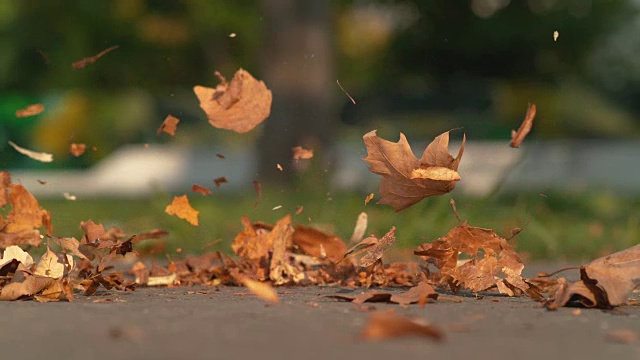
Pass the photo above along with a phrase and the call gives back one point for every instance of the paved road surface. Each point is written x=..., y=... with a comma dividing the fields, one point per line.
x=182, y=323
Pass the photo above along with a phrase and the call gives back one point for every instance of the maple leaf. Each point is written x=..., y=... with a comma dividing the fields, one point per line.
x=491, y=257
x=240, y=105
x=181, y=208
x=169, y=125
x=517, y=137
x=77, y=149
x=30, y=110
x=300, y=153
x=406, y=179
x=40, y=156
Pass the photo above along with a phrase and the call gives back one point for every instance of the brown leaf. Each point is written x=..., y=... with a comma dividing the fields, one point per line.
x=300, y=153
x=406, y=179
x=420, y=293
x=518, y=136
x=46, y=287
x=258, y=187
x=71, y=245
x=616, y=274
x=239, y=105
x=279, y=271
x=219, y=181
x=30, y=110
x=386, y=325
x=181, y=208
x=368, y=198
x=26, y=237
x=25, y=213
x=90, y=60
x=261, y=289
x=54, y=265
x=201, y=189
x=77, y=149
x=40, y=156
x=313, y=242
x=169, y=125
x=491, y=255
x=373, y=248
x=5, y=181
x=254, y=242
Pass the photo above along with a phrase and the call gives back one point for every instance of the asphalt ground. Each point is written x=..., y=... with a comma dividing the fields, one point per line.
x=231, y=323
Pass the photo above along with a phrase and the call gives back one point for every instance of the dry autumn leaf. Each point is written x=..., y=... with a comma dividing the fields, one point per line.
x=261, y=289
x=219, y=181
x=385, y=325
x=30, y=110
x=318, y=244
x=54, y=265
x=418, y=294
x=201, y=189
x=518, y=136
x=181, y=208
x=90, y=60
x=359, y=229
x=373, y=248
x=368, y=198
x=169, y=125
x=5, y=181
x=77, y=149
x=300, y=153
x=40, y=156
x=15, y=253
x=406, y=179
x=239, y=105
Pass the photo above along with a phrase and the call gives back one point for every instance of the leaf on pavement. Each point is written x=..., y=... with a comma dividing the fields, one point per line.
x=169, y=125
x=300, y=153
x=517, y=137
x=605, y=282
x=240, y=105
x=181, y=208
x=77, y=149
x=280, y=272
x=14, y=253
x=384, y=325
x=44, y=288
x=406, y=179
x=373, y=248
x=493, y=263
x=54, y=265
x=40, y=156
x=30, y=110
x=418, y=294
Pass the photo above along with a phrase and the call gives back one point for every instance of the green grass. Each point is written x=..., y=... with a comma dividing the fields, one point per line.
x=579, y=227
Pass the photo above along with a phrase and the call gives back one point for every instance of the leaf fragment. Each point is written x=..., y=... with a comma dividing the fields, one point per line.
x=384, y=325
x=77, y=149
x=169, y=125
x=181, y=208
x=30, y=110
x=40, y=156
x=300, y=153
x=517, y=137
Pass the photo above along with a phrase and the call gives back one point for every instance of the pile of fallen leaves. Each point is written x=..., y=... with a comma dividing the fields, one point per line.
x=466, y=259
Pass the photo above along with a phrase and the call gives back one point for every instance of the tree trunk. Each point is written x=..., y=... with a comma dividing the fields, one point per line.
x=297, y=65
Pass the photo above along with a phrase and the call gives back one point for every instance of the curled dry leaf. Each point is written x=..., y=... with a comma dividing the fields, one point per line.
x=385, y=325
x=368, y=198
x=517, y=137
x=77, y=149
x=300, y=153
x=15, y=253
x=372, y=248
x=30, y=110
x=40, y=156
x=169, y=125
x=181, y=208
x=406, y=179
x=54, y=265
x=239, y=105
x=418, y=294
x=279, y=270
x=359, y=229
x=605, y=282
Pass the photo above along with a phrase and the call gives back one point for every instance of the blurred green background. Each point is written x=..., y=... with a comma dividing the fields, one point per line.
x=421, y=67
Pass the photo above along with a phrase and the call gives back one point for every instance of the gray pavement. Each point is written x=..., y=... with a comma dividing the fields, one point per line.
x=205, y=323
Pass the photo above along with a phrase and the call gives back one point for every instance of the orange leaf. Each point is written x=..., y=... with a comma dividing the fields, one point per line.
x=518, y=136
x=300, y=153
x=263, y=290
x=388, y=325
x=30, y=110
x=406, y=179
x=169, y=125
x=181, y=208
x=77, y=149
x=240, y=105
